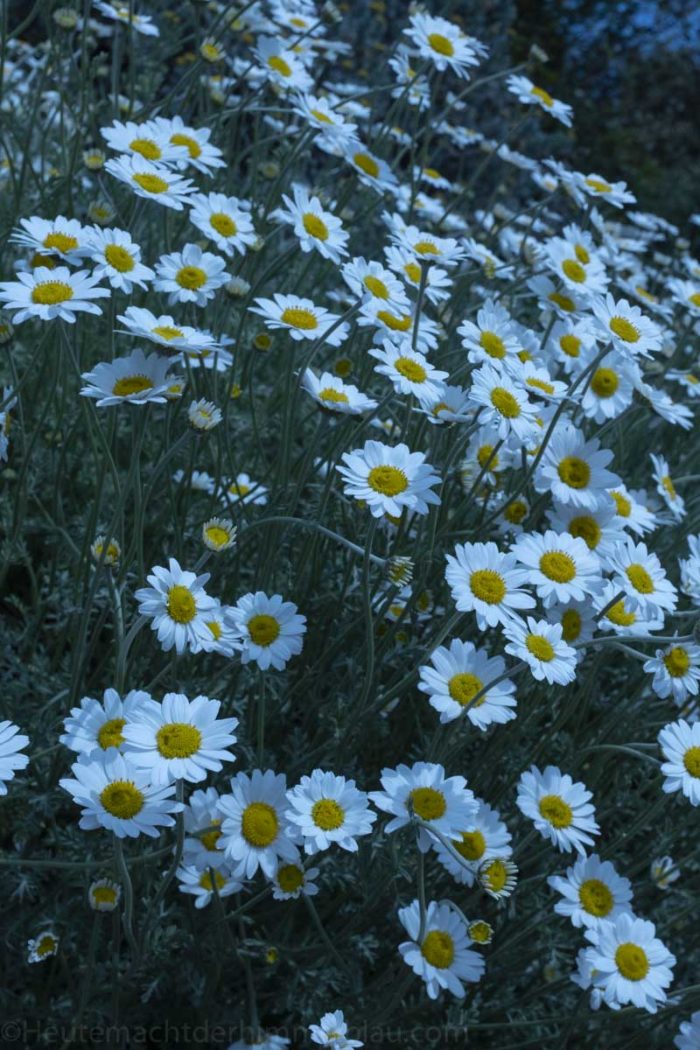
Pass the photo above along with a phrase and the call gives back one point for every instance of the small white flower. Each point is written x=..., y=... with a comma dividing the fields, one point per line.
x=325, y=808
x=442, y=956
x=272, y=629
x=559, y=808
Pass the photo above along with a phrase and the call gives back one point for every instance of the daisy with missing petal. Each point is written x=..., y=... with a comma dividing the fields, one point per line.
x=117, y=795
x=176, y=604
x=559, y=808
x=165, y=332
x=530, y=95
x=439, y=953
x=422, y=790
x=389, y=478
x=629, y=964
x=254, y=827
x=488, y=837
x=488, y=583
x=98, y=725
x=11, y=759
x=492, y=338
x=205, y=885
x=202, y=848
x=591, y=891
x=292, y=880
x=316, y=228
x=301, y=318
x=179, y=739
x=66, y=238
x=242, y=489
x=326, y=809
x=136, y=379
x=410, y=372
x=333, y=1032
x=573, y=470
x=676, y=671
x=49, y=293
x=444, y=44
x=458, y=675
x=330, y=392
x=562, y=568
x=271, y=629
x=505, y=406
x=152, y=181
x=190, y=276
x=540, y=644
x=118, y=259
x=640, y=575
x=224, y=220
x=680, y=744
x=665, y=487
x=371, y=280
x=631, y=333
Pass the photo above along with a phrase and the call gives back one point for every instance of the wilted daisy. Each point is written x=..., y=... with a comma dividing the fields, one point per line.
x=487, y=582
x=136, y=379
x=629, y=964
x=487, y=837
x=410, y=372
x=676, y=671
x=591, y=890
x=254, y=827
x=438, y=950
x=205, y=885
x=541, y=645
x=680, y=743
x=574, y=470
x=115, y=794
x=179, y=739
x=11, y=759
x=224, y=220
x=271, y=629
x=458, y=674
x=559, y=808
x=665, y=487
x=444, y=44
x=176, y=604
x=165, y=331
x=389, y=478
x=50, y=293
x=561, y=567
x=292, y=880
x=333, y=1031
x=301, y=318
x=331, y=393
x=316, y=228
x=641, y=577
x=326, y=809
x=531, y=95
x=422, y=790
x=99, y=724
x=104, y=895
x=190, y=276
x=42, y=947
x=152, y=181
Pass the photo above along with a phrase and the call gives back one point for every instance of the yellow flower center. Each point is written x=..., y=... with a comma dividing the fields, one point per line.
x=217, y=535
x=387, y=480
x=574, y=472
x=104, y=895
x=463, y=688
x=365, y=163
x=562, y=301
x=488, y=586
x=640, y=578
x=495, y=875
x=210, y=839
x=438, y=949
x=259, y=824
x=378, y=289
x=263, y=629
x=180, y=604
x=471, y=846
x=48, y=293
x=555, y=810
x=290, y=878
x=193, y=146
x=515, y=511
x=122, y=799
x=279, y=65
x=150, y=183
x=298, y=317
x=327, y=814
x=558, y=566
x=485, y=457
x=571, y=345
x=410, y=369
x=480, y=931
x=322, y=117
x=598, y=185
x=540, y=384
x=413, y=272
x=167, y=332
x=46, y=946
x=131, y=385
x=543, y=96
x=504, y=402
x=191, y=277
x=587, y=528
x=540, y=647
x=223, y=224
x=571, y=625
x=574, y=271
x=624, y=329
x=426, y=248
x=178, y=740
x=605, y=382
x=329, y=394
x=315, y=226
x=147, y=148
x=677, y=661
x=595, y=898
x=582, y=254
x=632, y=962
x=622, y=504
x=668, y=486
x=205, y=881
x=119, y=258
x=493, y=345
x=110, y=733
x=396, y=324
x=441, y=44
x=428, y=803
x=61, y=242
x=619, y=615
x=215, y=628
x=691, y=761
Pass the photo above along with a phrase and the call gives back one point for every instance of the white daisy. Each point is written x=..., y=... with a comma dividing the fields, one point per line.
x=224, y=220
x=117, y=795
x=444, y=44
x=610, y=389
x=629, y=964
x=676, y=671
x=333, y=1032
x=561, y=567
x=104, y=895
x=66, y=238
x=292, y=880
x=593, y=185
x=146, y=141
x=531, y=95
x=623, y=616
x=271, y=629
x=282, y=67
x=559, y=808
x=331, y=393
x=591, y=891
x=630, y=332
x=574, y=470
x=372, y=170
x=504, y=405
x=370, y=280
x=254, y=827
x=410, y=372
x=98, y=725
x=422, y=790
x=176, y=604
x=688, y=1037
x=325, y=808
x=641, y=577
x=631, y=510
x=136, y=379
x=242, y=489
x=205, y=885
x=389, y=478
x=49, y=293
x=124, y=13
x=599, y=528
x=301, y=318
x=190, y=276
x=11, y=744
x=165, y=331
x=488, y=837
x=487, y=582
x=663, y=872
x=438, y=950
x=492, y=338
x=680, y=743
x=316, y=228
x=540, y=644
x=436, y=282
x=152, y=181
x=458, y=675
x=202, y=847
x=118, y=259
x=199, y=152
x=665, y=487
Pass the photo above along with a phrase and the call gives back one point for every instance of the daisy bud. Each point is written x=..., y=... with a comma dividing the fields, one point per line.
x=108, y=556
x=498, y=877
x=211, y=52
x=65, y=17
x=204, y=415
x=400, y=570
x=237, y=288
x=269, y=169
x=218, y=534
x=101, y=213
x=94, y=159
x=480, y=931
x=663, y=872
x=104, y=895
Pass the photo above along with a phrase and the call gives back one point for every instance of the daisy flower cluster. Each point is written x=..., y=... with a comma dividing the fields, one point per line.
x=350, y=539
